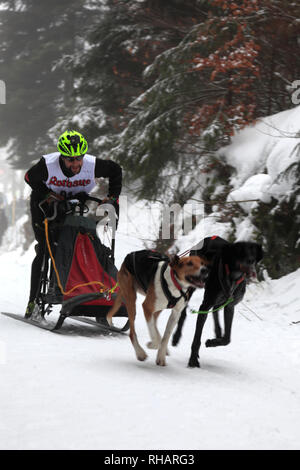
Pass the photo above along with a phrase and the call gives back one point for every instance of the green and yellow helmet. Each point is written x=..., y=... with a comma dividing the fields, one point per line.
x=72, y=144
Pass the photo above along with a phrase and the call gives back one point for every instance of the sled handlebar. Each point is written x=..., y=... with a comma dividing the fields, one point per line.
x=81, y=198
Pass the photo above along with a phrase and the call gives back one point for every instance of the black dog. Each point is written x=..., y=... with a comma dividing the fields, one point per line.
x=233, y=264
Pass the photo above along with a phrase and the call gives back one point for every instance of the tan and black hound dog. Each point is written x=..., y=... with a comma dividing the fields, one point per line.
x=166, y=284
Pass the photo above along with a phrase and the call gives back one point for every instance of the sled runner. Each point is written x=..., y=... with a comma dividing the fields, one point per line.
x=81, y=321
x=78, y=269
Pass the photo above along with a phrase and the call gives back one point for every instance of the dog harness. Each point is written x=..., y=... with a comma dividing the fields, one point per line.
x=143, y=265
x=172, y=301
x=230, y=287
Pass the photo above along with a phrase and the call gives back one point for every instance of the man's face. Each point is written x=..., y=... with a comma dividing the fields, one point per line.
x=73, y=164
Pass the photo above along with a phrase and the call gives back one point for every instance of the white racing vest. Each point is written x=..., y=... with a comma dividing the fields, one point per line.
x=58, y=182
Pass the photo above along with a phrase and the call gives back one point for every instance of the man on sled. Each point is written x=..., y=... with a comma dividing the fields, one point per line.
x=69, y=171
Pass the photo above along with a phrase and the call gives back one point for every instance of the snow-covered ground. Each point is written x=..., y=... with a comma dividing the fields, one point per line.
x=81, y=390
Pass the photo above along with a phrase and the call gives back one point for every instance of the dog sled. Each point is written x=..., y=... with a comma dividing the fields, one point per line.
x=78, y=269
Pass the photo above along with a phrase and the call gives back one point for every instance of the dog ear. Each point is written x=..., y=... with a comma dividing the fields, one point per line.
x=259, y=253
x=174, y=260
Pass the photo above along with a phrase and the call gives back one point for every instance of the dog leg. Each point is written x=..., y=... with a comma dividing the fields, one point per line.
x=223, y=340
x=153, y=331
x=228, y=317
x=161, y=354
x=128, y=292
x=178, y=332
x=150, y=317
x=113, y=310
x=139, y=351
x=193, y=361
x=218, y=330
x=156, y=315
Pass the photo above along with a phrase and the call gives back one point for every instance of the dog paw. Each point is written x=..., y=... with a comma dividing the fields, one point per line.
x=141, y=356
x=193, y=362
x=212, y=343
x=161, y=359
x=161, y=362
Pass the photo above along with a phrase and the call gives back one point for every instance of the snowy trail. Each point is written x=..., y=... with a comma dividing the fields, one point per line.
x=81, y=390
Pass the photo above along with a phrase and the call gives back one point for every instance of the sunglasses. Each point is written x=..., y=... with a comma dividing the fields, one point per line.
x=71, y=159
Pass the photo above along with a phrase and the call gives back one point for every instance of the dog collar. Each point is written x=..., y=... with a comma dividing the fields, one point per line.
x=175, y=282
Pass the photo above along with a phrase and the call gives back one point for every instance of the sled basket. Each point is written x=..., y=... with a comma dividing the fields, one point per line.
x=84, y=266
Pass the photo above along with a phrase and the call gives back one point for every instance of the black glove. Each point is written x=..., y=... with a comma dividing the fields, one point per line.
x=52, y=197
x=82, y=197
